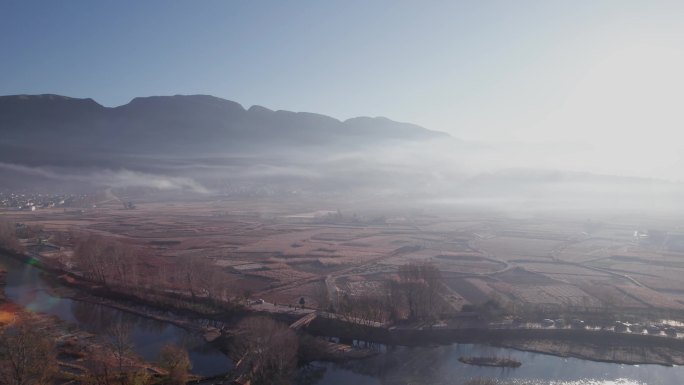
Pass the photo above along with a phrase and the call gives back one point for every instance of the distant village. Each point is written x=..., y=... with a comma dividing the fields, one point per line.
x=34, y=201
x=659, y=240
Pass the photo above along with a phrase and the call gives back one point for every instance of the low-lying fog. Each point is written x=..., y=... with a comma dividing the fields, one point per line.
x=441, y=170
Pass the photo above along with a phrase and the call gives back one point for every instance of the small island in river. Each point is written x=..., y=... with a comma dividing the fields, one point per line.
x=491, y=361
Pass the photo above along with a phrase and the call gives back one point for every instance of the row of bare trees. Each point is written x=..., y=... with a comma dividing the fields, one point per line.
x=198, y=277
x=106, y=260
x=116, y=264
x=364, y=310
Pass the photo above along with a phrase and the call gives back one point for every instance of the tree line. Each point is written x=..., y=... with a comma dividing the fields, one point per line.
x=124, y=267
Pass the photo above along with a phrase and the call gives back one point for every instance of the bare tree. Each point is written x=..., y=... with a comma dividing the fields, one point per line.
x=364, y=310
x=266, y=350
x=322, y=297
x=106, y=260
x=196, y=276
x=101, y=371
x=176, y=361
x=123, y=260
x=417, y=288
x=90, y=254
x=8, y=236
x=119, y=339
x=27, y=356
x=98, y=369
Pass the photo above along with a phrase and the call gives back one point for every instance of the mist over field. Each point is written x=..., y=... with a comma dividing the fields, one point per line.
x=206, y=146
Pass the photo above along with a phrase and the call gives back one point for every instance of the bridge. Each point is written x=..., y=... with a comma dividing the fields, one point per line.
x=304, y=321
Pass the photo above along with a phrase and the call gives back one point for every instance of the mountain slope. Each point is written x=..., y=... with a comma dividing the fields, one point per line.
x=58, y=127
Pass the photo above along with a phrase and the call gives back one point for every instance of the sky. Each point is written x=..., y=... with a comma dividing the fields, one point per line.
x=602, y=74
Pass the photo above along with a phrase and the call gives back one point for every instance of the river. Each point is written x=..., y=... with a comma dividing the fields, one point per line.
x=434, y=365
x=26, y=287
x=439, y=365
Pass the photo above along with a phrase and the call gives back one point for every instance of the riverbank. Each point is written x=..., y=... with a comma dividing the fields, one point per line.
x=628, y=355
x=599, y=346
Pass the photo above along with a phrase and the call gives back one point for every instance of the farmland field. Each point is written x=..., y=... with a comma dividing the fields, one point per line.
x=283, y=252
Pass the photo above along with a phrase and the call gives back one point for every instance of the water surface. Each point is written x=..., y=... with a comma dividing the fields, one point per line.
x=26, y=287
x=439, y=365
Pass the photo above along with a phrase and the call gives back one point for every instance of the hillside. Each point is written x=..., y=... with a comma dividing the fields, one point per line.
x=65, y=130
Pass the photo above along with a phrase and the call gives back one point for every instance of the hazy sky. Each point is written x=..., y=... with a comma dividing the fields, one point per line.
x=606, y=73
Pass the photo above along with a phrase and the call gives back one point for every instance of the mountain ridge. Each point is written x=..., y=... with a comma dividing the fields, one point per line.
x=57, y=129
x=57, y=100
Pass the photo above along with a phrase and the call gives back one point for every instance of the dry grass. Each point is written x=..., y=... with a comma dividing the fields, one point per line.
x=471, y=250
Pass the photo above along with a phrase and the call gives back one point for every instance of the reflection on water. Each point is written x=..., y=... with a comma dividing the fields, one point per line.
x=439, y=365
x=619, y=381
x=26, y=287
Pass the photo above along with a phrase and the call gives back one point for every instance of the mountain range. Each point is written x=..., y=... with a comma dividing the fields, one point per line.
x=54, y=129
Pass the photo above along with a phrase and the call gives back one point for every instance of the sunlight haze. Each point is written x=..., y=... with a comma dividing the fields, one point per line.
x=366, y=192
x=604, y=74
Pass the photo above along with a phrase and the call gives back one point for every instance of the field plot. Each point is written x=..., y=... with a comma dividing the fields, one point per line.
x=672, y=282
x=656, y=271
x=561, y=271
x=461, y=263
x=646, y=262
x=276, y=272
x=652, y=298
x=552, y=295
x=613, y=297
x=314, y=294
x=589, y=249
x=442, y=225
x=474, y=291
x=355, y=286
x=467, y=263
x=521, y=276
x=510, y=248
